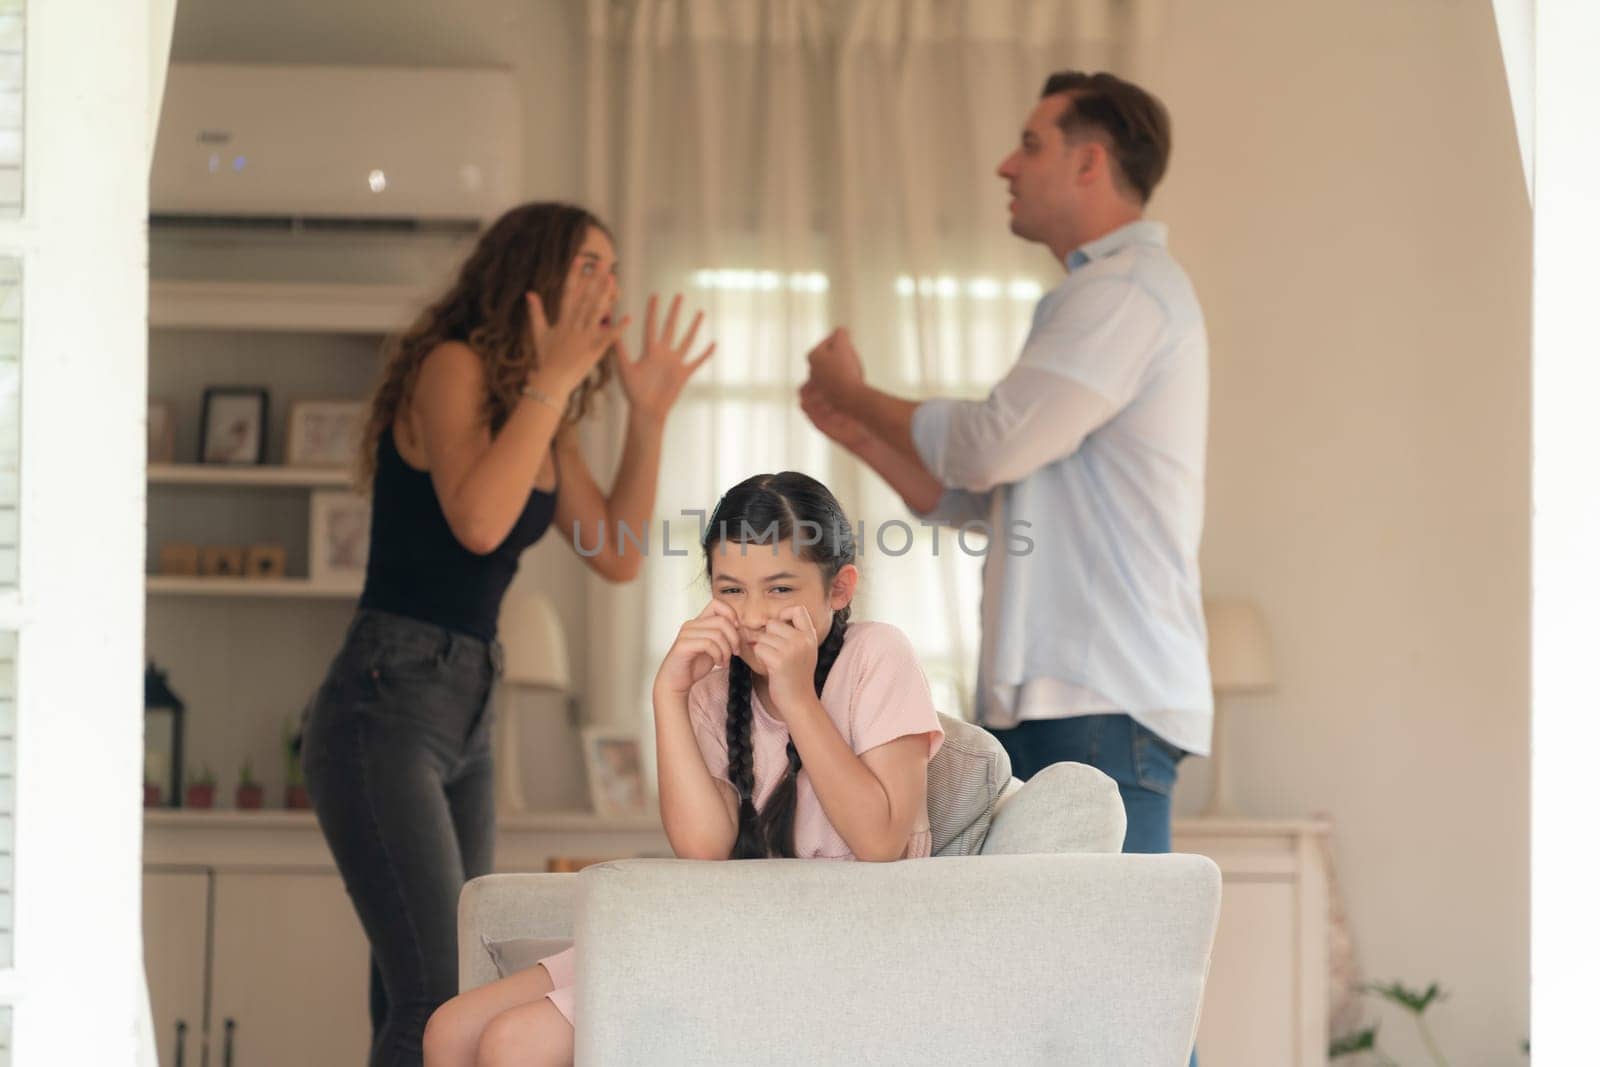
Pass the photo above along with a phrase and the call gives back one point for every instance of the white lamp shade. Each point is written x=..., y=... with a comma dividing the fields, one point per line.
x=1240, y=654
x=535, y=642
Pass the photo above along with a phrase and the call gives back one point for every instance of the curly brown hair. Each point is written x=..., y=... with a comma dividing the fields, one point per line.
x=528, y=249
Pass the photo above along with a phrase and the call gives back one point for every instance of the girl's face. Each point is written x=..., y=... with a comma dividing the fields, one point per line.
x=595, y=256
x=760, y=582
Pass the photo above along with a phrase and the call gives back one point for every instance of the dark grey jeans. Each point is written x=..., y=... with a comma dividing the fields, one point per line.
x=397, y=761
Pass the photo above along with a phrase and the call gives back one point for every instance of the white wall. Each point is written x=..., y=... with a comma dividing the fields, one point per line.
x=1347, y=194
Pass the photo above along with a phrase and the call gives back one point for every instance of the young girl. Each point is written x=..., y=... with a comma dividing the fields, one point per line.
x=782, y=729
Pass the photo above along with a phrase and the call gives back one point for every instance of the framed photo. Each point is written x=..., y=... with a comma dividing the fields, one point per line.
x=340, y=522
x=325, y=433
x=614, y=761
x=233, y=425
x=161, y=430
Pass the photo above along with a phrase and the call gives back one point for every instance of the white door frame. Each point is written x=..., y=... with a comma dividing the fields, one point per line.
x=77, y=989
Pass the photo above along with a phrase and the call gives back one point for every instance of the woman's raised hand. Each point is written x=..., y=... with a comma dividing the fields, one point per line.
x=655, y=379
x=569, y=348
x=707, y=641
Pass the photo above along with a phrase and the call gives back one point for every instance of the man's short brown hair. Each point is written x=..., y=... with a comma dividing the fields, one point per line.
x=1135, y=122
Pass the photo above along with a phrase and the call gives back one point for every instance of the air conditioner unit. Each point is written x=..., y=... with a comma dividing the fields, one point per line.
x=362, y=146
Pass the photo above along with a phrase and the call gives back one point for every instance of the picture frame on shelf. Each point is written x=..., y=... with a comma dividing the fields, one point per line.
x=325, y=433
x=613, y=761
x=233, y=425
x=340, y=523
x=161, y=433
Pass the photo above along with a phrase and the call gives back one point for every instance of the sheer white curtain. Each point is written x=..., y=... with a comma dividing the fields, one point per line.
x=792, y=165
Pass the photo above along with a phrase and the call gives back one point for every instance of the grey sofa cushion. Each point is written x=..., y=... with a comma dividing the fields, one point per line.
x=1067, y=807
x=519, y=953
x=965, y=778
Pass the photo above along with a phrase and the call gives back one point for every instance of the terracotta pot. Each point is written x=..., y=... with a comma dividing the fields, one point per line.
x=152, y=795
x=296, y=798
x=200, y=796
x=249, y=797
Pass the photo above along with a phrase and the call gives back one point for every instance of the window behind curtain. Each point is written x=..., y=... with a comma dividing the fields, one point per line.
x=746, y=420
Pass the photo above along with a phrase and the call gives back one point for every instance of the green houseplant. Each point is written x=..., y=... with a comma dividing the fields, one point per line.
x=1414, y=1003
x=201, y=791
x=249, y=795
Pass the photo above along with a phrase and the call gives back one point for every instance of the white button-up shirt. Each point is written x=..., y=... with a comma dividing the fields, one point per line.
x=1087, y=463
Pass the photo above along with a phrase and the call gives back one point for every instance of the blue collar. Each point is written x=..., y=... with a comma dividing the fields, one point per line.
x=1139, y=232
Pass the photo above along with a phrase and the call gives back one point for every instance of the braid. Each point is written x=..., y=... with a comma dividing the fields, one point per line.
x=741, y=762
x=828, y=651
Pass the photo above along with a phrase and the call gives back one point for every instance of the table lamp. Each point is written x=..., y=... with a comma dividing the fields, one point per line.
x=1241, y=662
x=536, y=658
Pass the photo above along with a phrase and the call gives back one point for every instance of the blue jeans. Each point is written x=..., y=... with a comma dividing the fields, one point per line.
x=1143, y=765
x=397, y=761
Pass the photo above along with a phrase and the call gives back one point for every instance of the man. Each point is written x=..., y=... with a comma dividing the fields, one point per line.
x=1092, y=447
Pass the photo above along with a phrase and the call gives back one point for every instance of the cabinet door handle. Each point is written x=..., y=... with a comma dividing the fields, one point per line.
x=177, y=1046
x=228, y=1026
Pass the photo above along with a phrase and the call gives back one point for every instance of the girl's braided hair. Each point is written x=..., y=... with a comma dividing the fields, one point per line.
x=768, y=509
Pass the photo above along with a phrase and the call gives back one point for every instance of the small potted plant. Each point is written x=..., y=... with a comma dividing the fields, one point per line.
x=249, y=795
x=295, y=796
x=201, y=792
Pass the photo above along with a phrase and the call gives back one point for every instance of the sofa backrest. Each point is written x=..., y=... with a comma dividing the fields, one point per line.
x=976, y=960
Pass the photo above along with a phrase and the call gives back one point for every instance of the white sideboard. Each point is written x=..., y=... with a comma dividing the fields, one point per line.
x=252, y=946
x=1266, y=1001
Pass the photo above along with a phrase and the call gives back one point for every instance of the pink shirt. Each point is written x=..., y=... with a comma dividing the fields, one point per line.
x=875, y=693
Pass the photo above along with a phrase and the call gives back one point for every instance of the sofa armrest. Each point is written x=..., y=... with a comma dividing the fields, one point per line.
x=520, y=917
x=1067, y=807
x=1092, y=959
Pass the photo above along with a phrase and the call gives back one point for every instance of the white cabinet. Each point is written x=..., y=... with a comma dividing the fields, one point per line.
x=1266, y=1002
x=252, y=942
x=254, y=968
x=290, y=972
x=176, y=925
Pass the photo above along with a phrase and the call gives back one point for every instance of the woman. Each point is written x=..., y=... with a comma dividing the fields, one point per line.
x=472, y=453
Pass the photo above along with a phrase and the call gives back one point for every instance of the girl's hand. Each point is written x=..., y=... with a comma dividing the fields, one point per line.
x=655, y=379
x=707, y=641
x=788, y=650
x=569, y=349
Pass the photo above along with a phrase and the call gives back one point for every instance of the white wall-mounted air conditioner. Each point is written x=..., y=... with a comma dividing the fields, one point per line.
x=337, y=144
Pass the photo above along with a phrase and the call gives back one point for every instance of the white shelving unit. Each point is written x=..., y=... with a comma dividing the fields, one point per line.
x=261, y=477
x=246, y=653
x=183, y=585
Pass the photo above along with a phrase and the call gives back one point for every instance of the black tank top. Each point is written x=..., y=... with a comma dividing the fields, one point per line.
x=415, y=565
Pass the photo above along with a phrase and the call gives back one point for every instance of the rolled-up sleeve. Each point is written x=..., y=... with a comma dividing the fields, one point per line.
x=1031, y=418
x=1082, y=364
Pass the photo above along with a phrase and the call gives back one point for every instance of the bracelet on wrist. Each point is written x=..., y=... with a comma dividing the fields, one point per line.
x=530, y=390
